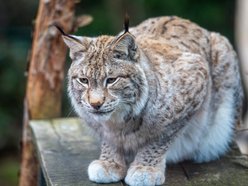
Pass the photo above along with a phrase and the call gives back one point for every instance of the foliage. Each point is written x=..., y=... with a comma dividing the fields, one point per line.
x=8, y=172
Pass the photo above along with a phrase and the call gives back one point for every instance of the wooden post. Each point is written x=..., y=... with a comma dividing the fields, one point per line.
x=45, y=76
x=242, y=44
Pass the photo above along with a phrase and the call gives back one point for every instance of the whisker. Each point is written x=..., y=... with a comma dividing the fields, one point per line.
x=71, y=110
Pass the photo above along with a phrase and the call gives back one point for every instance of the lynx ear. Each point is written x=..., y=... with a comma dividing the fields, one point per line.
x=75, y=44
x=77, y=47
x=124, y=46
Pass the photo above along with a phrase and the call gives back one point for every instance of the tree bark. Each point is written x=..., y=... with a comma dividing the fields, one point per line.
x=45, y=76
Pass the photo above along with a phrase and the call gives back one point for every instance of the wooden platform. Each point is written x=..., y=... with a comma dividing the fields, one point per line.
x=65, y=149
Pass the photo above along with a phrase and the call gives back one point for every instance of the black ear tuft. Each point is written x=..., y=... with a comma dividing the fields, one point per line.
x=76, y=46
x=64, y=34
x=60, y=29
x=126, y=22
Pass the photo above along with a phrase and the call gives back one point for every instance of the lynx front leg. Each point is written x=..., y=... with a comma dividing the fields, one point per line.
x=148, y=168
x=109, y=168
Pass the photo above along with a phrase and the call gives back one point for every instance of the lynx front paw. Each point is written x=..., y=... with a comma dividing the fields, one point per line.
x=144, y=176
x=105, y=171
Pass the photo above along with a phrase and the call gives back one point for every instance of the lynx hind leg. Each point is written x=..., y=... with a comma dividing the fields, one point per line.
x=219, y=133
x=226, y=102
x=226, y=72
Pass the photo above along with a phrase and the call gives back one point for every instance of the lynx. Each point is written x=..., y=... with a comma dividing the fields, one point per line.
x=162, y=92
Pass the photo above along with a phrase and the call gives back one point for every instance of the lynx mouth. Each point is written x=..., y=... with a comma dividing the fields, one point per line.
x=98, y=112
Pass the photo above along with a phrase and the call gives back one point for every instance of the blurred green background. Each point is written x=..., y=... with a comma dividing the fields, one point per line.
x=16, y=24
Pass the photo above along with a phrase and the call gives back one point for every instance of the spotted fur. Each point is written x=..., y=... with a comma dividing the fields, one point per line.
x=164, y=91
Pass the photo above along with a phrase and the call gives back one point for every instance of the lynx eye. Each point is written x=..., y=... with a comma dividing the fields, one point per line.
x=84, y=81
x=119, y=55
x=111, y=80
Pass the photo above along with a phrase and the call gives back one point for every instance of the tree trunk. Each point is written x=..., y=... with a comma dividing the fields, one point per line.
x=45, y=76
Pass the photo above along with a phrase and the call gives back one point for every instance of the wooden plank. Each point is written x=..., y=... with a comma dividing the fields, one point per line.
x=65, y=149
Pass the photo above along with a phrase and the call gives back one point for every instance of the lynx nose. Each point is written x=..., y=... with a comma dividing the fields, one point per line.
x=96, y=105
x=96, y=99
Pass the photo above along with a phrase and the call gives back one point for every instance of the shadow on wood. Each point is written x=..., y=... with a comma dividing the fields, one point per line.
x=65, y=149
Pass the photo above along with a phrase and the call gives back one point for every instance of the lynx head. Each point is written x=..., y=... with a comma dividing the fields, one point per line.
x=106, y=78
